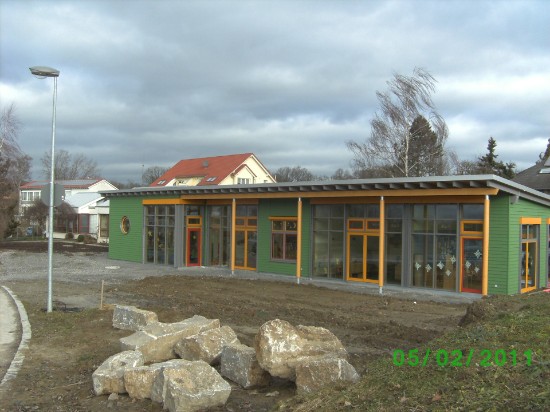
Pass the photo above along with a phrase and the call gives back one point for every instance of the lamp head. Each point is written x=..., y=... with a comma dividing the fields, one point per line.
x=44, y=71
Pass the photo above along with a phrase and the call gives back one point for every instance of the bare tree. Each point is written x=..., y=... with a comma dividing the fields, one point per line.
x=70, y=167
x=394, y=146
x=152, y=173
x=293, y=174
x=14, y=168
x=341, y=174
x=37, y=214
x=9, y=129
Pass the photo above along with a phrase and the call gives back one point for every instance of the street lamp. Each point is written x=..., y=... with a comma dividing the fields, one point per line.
x=42, y=72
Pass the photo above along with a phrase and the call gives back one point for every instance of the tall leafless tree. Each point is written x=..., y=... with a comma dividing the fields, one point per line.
x=14, y=168
x=152, y=173
x=9, y=129
x=394, y=144
x=293, y=174
x=70, y=167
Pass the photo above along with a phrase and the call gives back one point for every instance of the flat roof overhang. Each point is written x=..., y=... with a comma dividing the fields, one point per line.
x=467, y=185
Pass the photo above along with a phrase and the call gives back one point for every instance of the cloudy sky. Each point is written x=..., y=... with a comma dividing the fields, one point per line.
x=147, y=83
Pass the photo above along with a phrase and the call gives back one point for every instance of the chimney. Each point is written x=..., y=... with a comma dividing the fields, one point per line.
x=205, y=164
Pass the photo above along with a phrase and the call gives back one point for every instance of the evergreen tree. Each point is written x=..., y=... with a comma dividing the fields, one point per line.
x=488, y=164
x=427, y=153
x=546, y=154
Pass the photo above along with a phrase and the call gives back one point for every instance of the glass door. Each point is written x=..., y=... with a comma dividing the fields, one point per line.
x=363, y=257
x=528, y=266
x=193, y=246
x=245, y=249
x=356, y=257
x=472, y=266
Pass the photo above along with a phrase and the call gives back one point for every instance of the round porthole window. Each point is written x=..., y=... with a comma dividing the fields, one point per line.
x=125, y=225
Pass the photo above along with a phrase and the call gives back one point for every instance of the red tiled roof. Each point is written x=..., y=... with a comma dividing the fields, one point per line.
x=212, y=169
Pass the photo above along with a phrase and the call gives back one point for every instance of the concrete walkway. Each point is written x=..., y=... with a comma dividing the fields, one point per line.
x=15, y=333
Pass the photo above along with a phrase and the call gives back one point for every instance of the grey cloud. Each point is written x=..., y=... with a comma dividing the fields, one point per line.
x=148, y=83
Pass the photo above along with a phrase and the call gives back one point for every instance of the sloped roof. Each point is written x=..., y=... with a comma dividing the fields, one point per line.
x=67, y=184
x=536, y=177
x=212, y=170
x=82, y=198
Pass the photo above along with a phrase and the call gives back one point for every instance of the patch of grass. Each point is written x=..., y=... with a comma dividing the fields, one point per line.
x=492, y=380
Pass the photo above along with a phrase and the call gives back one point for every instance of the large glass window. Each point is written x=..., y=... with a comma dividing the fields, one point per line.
x=434, y=246
x=104, y=226
x=284, y=239
x=84, y=223
x=219, y=235
x=159, y=228
x=394, y=243
x=328, y=241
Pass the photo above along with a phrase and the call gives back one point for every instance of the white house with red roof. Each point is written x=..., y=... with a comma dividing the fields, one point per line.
x=235, y=169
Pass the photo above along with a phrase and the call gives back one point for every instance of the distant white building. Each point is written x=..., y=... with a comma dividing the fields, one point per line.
x=91, y=210
x=91, y=216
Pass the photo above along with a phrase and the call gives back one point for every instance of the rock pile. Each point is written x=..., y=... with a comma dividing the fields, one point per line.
x=173, y=363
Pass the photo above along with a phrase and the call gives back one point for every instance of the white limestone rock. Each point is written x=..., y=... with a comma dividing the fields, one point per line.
x=206, y=346
x=196, y=387
x=132, y=318
x=157, y=340
x=239, y=363
x=109, y=377
x=314, y=373
x=280, y=346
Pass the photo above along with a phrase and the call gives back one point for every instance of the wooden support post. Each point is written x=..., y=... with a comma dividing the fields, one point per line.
x=381, y=245
x=299, y=243
x=485, y=260
x=233, y=233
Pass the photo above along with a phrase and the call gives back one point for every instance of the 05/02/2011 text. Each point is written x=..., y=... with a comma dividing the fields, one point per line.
x=458, y=357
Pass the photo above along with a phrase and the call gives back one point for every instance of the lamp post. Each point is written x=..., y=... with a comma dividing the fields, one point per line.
x=42, y=72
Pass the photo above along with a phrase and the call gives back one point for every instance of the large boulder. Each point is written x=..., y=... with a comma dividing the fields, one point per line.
x=132, y=318
x=206, y=346
x=314, y=373
x=239, y=363
x=169, y=369
x=280, y=346
x=197, y=386
x=157, y=340
x=109, y=377
x=139, y=381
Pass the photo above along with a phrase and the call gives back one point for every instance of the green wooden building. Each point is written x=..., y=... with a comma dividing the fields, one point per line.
x=464, y=234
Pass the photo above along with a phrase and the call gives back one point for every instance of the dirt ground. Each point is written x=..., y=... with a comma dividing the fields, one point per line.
x=69, y=344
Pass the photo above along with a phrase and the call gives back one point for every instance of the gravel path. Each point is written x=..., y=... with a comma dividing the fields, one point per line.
x=79, y=267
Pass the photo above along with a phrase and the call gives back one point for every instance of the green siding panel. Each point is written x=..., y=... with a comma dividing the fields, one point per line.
x=505, y=243
x=126, y=246
x=282, y=208
x=499, y=243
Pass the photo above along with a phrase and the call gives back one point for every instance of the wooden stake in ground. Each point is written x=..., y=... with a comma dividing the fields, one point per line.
x=101, y=298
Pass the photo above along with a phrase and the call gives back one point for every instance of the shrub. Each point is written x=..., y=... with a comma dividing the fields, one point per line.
x=69, y=236
x=80, y=238
x=89, y=239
